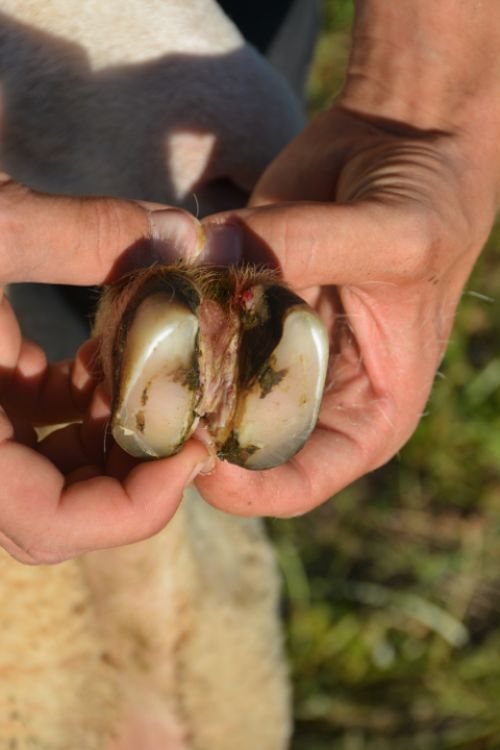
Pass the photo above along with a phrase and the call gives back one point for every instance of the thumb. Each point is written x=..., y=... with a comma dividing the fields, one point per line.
x=330, y=243
x=89, y=240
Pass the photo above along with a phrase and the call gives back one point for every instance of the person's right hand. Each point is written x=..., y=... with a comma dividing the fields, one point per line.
x=376, y=213
x=377, y=224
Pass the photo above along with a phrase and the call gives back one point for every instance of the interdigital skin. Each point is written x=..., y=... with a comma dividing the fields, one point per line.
x=227, y=348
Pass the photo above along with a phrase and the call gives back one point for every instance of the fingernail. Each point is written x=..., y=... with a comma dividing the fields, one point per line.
x=176, y=235
x=223, y=245
x=204, y=467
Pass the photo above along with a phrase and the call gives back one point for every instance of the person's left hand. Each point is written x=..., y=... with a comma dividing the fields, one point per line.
x=67, y=494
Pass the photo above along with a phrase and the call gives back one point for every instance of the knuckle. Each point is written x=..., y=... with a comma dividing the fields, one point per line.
x=34, y=555
x=30, y=556
x=423, y=245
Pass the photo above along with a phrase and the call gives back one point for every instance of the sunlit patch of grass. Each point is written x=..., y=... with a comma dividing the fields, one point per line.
x=393, y=587
x=332, y=51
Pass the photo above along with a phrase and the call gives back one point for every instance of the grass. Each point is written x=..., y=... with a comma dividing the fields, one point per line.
x=393, y=587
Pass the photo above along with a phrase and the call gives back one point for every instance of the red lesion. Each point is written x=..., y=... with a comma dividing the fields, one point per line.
x=251, y=305
x=247, y=298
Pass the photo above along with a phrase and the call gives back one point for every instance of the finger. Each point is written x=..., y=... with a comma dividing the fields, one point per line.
x=73, y=240
x=67, y=449
x=326, y=465
x=355, y=432
x=223, y=245
x=369, y=411
x=84, y=443
x=51, y=394
x=45, y=520
x=327, y=243
x=217, y=245
x=10, y=340
x=364, y=437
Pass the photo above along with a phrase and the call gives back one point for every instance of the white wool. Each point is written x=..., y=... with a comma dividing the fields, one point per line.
x=180, y=633
x=97, y=94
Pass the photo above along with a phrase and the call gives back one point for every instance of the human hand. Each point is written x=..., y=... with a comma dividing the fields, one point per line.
x=66, y=495
x=377, y=224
